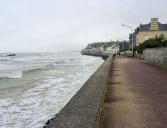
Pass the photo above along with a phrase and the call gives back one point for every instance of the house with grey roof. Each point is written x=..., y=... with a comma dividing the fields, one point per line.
x=148, y=31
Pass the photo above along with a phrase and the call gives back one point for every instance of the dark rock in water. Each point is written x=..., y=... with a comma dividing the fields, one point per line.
x=12, y=54
x=48, y=122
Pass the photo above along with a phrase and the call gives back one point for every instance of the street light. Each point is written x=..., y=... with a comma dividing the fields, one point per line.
x=132, y=36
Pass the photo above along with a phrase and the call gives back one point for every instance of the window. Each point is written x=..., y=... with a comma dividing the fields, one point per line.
x=146, y=37
x=162, y=36
x=137, y=40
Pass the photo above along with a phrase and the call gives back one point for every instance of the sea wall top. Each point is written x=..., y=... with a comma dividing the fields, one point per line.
x=82, y=110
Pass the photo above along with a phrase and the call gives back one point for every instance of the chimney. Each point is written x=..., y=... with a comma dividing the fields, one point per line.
x=154, y=24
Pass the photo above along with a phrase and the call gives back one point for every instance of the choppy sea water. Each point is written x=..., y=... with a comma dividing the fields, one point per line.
x=36, y=86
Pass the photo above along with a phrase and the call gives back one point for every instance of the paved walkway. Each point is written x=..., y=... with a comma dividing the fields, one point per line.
x=137, y=97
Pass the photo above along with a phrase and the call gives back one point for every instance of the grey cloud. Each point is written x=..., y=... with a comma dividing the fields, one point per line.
x=54, y=25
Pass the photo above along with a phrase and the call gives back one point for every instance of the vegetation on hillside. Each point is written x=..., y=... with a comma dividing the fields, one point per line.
x=151, y=43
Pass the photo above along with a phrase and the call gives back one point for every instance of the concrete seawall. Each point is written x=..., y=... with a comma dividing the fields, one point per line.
x=85, y=109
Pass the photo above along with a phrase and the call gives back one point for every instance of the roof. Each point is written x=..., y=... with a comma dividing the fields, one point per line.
x=162, y=26
x=147, y=26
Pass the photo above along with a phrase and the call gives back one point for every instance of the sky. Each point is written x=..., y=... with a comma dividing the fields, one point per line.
x=69, y=25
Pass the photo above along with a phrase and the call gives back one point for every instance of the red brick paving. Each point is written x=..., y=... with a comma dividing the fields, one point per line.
x=138, y=95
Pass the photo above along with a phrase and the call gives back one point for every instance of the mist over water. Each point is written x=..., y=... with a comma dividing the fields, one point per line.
x=35, y=86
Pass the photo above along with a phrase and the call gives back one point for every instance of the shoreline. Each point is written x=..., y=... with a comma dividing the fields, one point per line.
x=86, y=106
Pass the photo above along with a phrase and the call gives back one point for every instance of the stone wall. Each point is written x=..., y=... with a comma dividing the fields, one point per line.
x=156, y=55
x=85, y=109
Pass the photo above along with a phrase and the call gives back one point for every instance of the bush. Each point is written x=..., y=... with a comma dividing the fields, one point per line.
x=151, y=43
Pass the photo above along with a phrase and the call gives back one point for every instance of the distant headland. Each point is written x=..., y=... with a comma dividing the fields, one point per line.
x=104, y=49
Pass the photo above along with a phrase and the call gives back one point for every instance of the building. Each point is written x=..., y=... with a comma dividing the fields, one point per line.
x=101, y=48
x=114, y=49
x=148, y=31
x=130, y=39
x=124, y=45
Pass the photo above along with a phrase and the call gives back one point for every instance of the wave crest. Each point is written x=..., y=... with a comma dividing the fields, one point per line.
x=19, y=74
x=13, y=75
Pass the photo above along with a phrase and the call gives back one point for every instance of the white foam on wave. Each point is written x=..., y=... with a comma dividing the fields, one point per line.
x=33, y=109
x=18, y=74
x=12, y=75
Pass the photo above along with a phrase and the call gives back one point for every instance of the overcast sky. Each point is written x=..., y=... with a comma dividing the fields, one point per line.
x=67, y=25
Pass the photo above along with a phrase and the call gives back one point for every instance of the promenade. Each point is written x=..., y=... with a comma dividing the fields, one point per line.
x=138, y=95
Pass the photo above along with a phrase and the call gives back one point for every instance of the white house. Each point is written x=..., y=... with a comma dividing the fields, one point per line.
x=101, y=48
x=114, y=49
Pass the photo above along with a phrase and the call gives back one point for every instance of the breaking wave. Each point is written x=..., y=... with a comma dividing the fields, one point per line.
x=19, y=74
x=12, y=75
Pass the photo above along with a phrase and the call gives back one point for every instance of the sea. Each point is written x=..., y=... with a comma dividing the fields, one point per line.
x=36, y=86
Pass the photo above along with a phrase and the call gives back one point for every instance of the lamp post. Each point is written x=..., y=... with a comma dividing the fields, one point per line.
x=132, y=37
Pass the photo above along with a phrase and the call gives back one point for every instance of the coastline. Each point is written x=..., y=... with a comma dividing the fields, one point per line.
x=85, y=109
